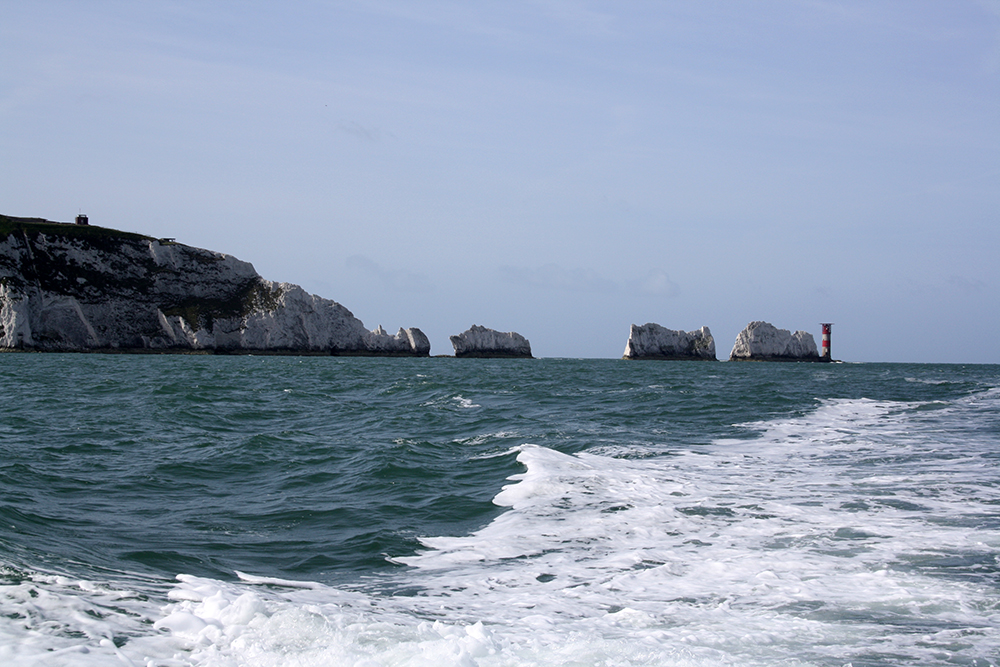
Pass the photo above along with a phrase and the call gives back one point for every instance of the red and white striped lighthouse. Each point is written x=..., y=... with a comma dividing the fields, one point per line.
x=826, y=341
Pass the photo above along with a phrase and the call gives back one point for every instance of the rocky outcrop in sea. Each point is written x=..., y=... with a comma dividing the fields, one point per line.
x=761, y=341
x=481, y=342
x=652, y=341
x=82, y=288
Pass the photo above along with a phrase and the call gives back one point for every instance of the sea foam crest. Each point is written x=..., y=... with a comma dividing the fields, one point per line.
x=752, y=541
x=808, y=544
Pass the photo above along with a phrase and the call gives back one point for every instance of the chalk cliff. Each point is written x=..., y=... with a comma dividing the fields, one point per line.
x=74, y=288
x=761, y=341
x=479, y=341
x=652, y=341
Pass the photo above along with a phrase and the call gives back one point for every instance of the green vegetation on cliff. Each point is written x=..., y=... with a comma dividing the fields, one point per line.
x=122, y=269
x=10, y=224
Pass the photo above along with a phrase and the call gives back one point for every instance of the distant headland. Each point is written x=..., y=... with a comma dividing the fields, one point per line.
x=77, y=287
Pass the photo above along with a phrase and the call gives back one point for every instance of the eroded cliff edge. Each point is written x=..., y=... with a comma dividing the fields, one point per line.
x=652, y=341
x=83, y=288
x=478, y=341
x=762, y=341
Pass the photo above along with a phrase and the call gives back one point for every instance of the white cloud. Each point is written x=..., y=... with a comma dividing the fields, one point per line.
x=657, y=283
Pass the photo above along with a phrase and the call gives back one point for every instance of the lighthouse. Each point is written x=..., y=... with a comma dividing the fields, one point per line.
x=826, y=341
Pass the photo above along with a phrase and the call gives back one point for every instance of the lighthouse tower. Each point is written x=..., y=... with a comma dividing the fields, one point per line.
x=825, y=356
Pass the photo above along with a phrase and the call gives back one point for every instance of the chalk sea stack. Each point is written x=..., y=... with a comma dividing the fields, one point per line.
x=652, y=341
x=481, y=342
x=761, y=341
x=80, y=287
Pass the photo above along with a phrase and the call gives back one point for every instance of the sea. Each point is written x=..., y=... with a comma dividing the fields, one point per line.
x=181, y=510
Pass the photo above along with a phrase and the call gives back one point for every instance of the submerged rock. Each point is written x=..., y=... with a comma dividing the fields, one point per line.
x=76, y=288
x=652, y=341
x=481, y=342
x=761, y=341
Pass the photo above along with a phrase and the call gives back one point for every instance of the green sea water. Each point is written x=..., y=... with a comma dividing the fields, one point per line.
x=549, y=511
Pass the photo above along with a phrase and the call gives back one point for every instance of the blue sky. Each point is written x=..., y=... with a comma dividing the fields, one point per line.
x=558, y=168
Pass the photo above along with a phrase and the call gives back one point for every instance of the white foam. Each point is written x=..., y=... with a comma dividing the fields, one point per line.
x=809, y=544
x=465, y=402
x=717, y=547
x=485, y=438
x=51, y=619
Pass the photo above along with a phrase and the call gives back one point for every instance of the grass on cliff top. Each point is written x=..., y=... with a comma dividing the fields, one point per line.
x=10, y=224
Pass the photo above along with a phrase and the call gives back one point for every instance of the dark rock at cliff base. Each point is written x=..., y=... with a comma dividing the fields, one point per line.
x=85, y=288
x=486, y=343
x=761, y=341
x=652, y=341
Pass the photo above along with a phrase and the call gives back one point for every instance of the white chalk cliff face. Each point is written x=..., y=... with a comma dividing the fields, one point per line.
x=64, y=287
x=761, y=341
x=479, y=341
x=652, y=341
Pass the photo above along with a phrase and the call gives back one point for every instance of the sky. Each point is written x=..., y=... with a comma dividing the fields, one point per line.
x=558, y=168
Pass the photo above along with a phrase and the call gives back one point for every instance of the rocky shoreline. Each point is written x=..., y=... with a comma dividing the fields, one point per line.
x=81, y=288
